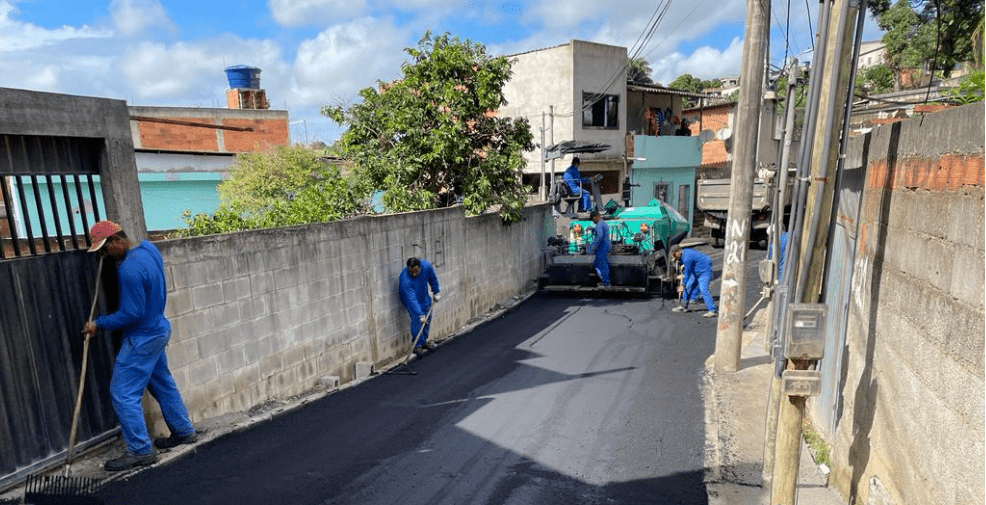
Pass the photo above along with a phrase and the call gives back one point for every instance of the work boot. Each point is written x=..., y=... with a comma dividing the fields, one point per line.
x=429, y=346
x=680, y=309
x=420, y=351
x=710, y=314
x=175, y=440
x=128, y=461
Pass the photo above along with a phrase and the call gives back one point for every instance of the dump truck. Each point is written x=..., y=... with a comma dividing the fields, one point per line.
x=641, y=238
x=712, y=198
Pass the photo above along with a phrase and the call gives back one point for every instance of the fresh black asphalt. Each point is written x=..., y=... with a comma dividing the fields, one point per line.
x=561, y=400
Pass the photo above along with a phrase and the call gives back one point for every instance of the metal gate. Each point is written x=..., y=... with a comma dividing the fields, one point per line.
x=46, y=289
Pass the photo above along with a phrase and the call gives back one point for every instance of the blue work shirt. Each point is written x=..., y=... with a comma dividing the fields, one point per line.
x=573, y=178
x=143, y=295
x=694, y=263
x=414, y=290
x=600, y=242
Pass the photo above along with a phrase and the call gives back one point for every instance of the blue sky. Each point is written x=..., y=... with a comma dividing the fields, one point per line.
x=321, y=52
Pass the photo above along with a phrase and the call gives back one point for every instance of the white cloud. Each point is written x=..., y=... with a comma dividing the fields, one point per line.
x=134, y=17
x=346, y=58
x=186, y=74
x=704, y=63
x=313, y=12
x=19, y=36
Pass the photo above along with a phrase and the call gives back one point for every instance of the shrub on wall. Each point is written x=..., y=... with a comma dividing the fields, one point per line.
x=284, y=186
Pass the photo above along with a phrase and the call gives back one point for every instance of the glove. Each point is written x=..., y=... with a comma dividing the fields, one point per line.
x=423, y=318
x=438, y=296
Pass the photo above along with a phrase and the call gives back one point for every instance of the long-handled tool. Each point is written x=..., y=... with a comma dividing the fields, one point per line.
x=403, y=368
x=66, y=489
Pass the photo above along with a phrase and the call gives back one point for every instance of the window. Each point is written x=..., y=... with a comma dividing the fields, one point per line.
x=600, y=111
x=684, y=194
x=661, y=191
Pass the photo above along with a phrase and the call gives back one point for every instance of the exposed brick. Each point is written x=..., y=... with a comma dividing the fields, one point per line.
x=266, y=134
x=177, y=137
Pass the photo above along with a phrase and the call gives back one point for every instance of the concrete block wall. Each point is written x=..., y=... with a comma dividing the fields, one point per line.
x=262, y=315
x=911, y=419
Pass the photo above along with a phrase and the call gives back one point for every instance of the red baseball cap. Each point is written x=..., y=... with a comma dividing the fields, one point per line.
x=102, y=231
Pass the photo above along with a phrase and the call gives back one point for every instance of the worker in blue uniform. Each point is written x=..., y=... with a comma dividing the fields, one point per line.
x=780, y=257
x=600, y=247
x=413, y=285
x=142, y=362
x=697, y=273
x=573, y=178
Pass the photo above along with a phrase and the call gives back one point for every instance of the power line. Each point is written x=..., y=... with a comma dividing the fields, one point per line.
x=642, y=41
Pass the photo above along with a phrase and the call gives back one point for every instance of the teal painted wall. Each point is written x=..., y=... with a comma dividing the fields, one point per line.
x=668, y=168
x=164, y=195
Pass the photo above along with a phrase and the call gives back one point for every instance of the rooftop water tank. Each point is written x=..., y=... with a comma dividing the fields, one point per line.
x=242, y=76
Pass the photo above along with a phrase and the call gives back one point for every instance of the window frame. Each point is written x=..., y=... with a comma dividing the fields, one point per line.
x=608, y=108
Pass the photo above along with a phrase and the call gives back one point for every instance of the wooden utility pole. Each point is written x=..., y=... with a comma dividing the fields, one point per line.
x=729, y=338
x=834, y=79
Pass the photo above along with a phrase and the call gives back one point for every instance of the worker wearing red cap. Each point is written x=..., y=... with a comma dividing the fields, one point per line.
x=142, y=362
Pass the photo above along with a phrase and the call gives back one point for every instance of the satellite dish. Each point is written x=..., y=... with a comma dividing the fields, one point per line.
x=725, y=133
x=706, y=135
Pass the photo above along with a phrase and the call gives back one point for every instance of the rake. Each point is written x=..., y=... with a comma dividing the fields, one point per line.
x=65, y=489
x=403, y=368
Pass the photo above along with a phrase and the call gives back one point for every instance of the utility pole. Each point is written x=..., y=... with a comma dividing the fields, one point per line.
x=543, y=193
x=729, y=337
x=790, y=109
x=834, y=81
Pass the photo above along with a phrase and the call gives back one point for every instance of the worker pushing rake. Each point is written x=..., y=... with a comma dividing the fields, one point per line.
x=419, y=291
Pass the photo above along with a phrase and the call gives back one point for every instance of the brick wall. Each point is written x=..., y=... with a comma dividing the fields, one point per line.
x=190, y=129
x=265, y=134
x=174, y=137
x=713, y=119
x=912, y=411
x=262, y=315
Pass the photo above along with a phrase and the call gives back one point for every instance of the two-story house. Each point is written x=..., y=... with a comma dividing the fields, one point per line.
x=579, y=92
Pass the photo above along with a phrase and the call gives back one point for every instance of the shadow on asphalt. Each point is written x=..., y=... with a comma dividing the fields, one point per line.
x=367, y=445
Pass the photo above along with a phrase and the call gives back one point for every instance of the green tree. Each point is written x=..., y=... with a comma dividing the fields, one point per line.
x=284, y=186
x=688, y=83
x=431, y=138
x=932, y=34
x=874, y=80
x=638, y=71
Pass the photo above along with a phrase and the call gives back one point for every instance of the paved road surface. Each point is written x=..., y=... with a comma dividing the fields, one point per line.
x=562, y=400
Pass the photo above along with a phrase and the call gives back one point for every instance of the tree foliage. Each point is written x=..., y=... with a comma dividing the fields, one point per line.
x=874, y=80
x=932, y=34
x=688, y=83
x=284, y=186
x=431, y=138
x=638, y=71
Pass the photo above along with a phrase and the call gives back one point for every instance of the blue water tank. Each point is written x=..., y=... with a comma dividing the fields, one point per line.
x=242, y=76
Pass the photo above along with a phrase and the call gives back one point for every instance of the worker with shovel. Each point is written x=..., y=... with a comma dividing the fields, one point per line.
x=413, y=285
x=697, y=273
x=142, y=362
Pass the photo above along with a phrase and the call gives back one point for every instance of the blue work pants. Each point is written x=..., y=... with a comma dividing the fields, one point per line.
x=142, y=363
x=416, y=327
x=701, y=281
x=601, y=264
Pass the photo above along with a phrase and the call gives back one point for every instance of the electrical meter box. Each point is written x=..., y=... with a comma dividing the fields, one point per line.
x=805, y=331
x=801, y=382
